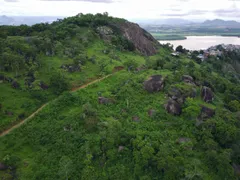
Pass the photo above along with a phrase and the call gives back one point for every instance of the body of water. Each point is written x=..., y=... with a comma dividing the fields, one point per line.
x=203, y=42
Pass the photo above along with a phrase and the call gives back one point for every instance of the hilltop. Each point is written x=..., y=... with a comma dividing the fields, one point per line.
x=115, y=105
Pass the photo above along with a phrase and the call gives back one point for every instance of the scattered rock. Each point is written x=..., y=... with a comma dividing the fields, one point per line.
x=67, y=128
x=1, y=77
x=71, y=67
x=151, y=112
x=154, y=84
x=183, y=140
x=15, y=85
x=3, y=166
x=118, y=68
x=8, y=79
x=173, y=107
x=236, y=168
x=21, y=116
x=9, y=113
x=138, y=69
x=188, y=79
x=136, y=119
x=105, y=32
x=43, y=85
x=206, y=113
x=120, y=148
x=207, y=94
x=103, y=100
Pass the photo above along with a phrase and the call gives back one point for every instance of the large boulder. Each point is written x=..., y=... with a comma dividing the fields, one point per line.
x=154, y=84
x=206, y=113
x=207, y=94
x=173, y=107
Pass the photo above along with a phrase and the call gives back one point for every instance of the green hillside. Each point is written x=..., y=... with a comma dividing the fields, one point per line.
x=155, y=117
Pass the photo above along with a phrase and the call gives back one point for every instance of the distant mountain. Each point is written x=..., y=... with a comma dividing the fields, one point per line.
x=170, y=21
x=28, y=20
x=4, y=20
x=222, y=23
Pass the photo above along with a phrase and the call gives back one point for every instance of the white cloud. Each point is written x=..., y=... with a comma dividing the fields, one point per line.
x=130, y=9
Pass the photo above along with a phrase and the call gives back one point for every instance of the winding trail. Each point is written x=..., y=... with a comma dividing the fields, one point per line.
x=7, y=131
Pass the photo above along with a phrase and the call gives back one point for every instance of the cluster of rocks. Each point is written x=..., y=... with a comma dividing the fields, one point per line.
x=177, y=97
x=71, y=67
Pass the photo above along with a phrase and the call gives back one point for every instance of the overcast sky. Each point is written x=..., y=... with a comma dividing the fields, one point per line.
x=129, y=9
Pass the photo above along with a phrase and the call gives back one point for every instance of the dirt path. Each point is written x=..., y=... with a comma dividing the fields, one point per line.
x=39, y=109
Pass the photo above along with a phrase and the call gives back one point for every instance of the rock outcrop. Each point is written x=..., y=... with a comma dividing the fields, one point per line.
x=141, y=39
x=71, y=67
x=180, y=96
x=103, y=100
x=151, y=112
x=188, y=79
x=15, y=85
x=154, y=84
x=3, y=166
x=207, y=94
x=173, y=107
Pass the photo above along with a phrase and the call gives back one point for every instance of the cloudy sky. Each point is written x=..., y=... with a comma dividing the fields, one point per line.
x=129, y=9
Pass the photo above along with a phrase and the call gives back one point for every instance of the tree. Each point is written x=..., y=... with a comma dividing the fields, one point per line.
x=180, y=49
x=59, y=83
x=65, y=167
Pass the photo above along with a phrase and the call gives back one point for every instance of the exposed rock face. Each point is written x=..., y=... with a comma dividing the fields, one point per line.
x=206, y=113
x=3, y=166
x=207, y=94
x=154, y=84
x=173, y=107
x=187, y=79
x=142, y=40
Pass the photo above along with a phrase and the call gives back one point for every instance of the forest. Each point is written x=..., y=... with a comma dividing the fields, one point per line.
x=153, y=116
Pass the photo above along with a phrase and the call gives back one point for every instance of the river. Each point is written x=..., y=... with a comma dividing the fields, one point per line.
x=203, y=42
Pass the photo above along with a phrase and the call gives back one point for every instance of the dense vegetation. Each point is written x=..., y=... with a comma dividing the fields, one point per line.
x=116, y=128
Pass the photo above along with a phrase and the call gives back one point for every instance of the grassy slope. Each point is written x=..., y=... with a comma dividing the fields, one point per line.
x=23, y=102
x=43, y=141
